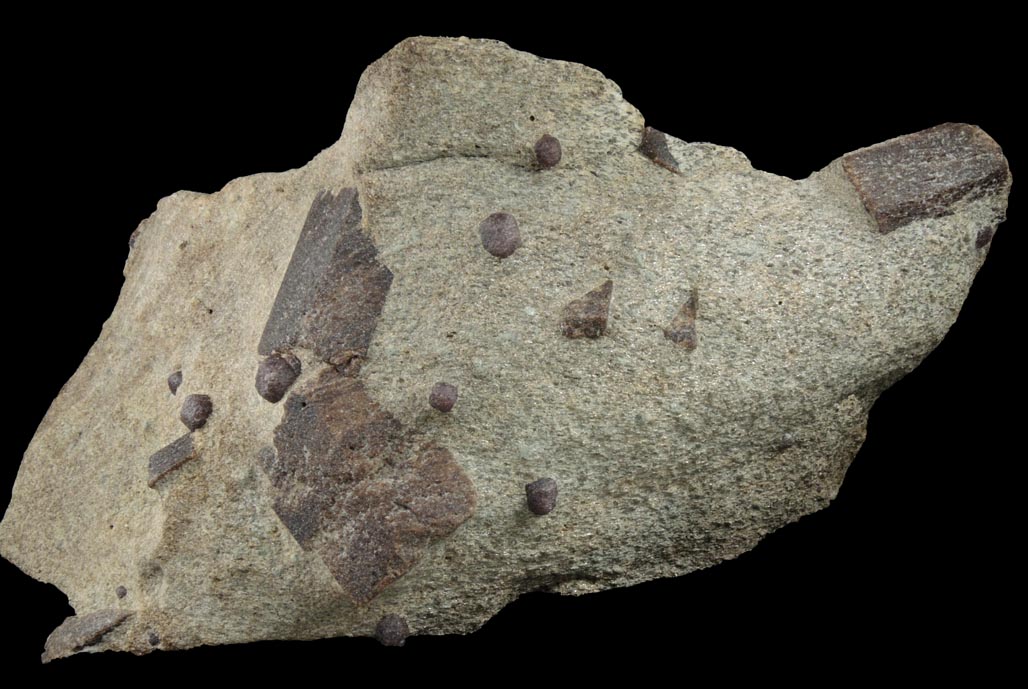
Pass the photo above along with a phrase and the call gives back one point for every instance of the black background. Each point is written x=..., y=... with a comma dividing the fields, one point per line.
x=913, y=564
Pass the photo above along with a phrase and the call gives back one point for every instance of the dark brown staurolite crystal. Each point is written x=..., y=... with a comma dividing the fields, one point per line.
x=349, y=482
x=922, y=175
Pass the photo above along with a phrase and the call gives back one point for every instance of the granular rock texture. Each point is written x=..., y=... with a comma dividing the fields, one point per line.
x=686, y=346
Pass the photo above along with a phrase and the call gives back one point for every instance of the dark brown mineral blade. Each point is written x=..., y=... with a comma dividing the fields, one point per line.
x=334, y=288
x=922, y=175
x=80, y=631
x=587, y=317
x=170, y=457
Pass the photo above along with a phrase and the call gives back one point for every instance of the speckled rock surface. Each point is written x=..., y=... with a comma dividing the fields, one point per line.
x=752, y=322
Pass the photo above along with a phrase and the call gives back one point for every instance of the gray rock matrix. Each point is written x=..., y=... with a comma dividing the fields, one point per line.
x=682, y=348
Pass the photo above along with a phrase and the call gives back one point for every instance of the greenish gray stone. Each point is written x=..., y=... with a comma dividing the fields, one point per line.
x=753, y=321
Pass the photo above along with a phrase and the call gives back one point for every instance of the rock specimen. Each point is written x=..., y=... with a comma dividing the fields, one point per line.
x=685, y=346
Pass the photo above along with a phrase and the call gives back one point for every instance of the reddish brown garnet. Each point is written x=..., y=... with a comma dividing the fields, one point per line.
x=276, y=374
x=547, y=151
x=392, y=630
x=443, y=396
x=195, y=411
x=500, y=234
x=542, y=495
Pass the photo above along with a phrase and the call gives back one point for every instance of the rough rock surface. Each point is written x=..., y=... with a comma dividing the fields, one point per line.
x=753, y=321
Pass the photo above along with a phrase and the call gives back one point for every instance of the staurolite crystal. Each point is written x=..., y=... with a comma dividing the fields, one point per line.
x=662, y=355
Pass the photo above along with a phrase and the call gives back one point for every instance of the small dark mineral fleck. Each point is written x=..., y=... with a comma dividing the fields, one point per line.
x=153, y=638
x=542, y=495
x=121, y=591
x=587, y=317
x=392, y=630
x=443, y=396
x=276, y=374
x=174, y=380
x=500, y=234
x=547, y=151
x=654, y=147
x=786, y=441
x=195, y=411
x=984, y=237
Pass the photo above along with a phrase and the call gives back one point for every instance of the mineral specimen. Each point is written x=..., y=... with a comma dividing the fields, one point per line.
x=686, y=346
